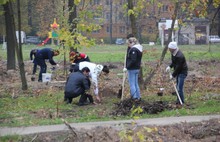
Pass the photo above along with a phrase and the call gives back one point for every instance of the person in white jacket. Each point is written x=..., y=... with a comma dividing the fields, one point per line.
x=95, y=71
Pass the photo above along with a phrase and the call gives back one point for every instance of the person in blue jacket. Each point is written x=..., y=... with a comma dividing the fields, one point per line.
x=41, y=56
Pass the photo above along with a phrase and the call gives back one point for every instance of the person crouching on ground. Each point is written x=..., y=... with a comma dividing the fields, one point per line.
x=133, y=64
x=78, y=84
x=180, y=68
x=95, y=72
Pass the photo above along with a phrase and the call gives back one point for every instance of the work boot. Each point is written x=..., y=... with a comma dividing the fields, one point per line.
x=67, y=101
x=83, y=104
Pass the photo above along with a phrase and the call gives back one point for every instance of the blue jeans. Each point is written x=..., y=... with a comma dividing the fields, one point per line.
x=133, y=82
x=179, y=85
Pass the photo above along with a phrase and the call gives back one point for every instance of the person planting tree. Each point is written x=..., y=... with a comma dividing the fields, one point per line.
x=95, y=72
x=78, y=84
x=41, y=56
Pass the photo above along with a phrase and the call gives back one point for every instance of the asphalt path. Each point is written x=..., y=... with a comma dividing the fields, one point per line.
x=4, y=131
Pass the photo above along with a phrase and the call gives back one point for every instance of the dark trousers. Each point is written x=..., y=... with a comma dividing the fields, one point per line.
x=43, y=67
x=68, y=98
x=34, y=68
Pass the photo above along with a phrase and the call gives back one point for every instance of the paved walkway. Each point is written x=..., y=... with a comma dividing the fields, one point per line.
x=88, y=125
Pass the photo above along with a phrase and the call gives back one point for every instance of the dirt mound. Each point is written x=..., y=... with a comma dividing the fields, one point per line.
x=128, y=106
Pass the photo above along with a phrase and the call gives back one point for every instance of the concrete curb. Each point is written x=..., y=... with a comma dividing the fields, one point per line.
x=88, y=125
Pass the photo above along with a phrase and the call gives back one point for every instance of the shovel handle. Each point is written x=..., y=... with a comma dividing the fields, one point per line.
x=177, y=93
x=124, y=78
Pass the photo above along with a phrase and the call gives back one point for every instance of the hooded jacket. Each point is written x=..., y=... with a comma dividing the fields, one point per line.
x=134, y=56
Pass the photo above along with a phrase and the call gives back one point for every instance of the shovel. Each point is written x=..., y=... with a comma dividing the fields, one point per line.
x=123, y=81
x=177, y=93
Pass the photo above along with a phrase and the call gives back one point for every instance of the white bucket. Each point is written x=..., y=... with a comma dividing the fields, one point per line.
x=46, y=77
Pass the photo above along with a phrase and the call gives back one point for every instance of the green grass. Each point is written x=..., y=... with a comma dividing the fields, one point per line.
x=42, y=110
x=116, y=53
x=36, y=110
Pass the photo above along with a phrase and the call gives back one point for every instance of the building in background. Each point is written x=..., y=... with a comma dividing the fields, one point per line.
x=117, y=24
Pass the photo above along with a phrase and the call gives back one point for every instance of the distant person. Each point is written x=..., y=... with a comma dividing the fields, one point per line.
x=78, y=84
x=180, y=68
x=41, y=56
x=33, y=53
x=95, y=72
x=76, y=57
x=133, y=64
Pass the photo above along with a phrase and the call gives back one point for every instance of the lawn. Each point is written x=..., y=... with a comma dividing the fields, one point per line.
x=47, y=107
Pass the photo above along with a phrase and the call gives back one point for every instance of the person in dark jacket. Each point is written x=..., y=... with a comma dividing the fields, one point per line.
x=33, y=53
x=41, y=56
x=78, y=84
x=180, y=68
x=133, y=64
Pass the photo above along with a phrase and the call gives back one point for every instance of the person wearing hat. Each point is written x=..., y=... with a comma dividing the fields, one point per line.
x=95, y=71
x=41, y=56
x=178, y=63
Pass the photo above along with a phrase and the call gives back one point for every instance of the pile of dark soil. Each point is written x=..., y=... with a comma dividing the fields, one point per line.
x=127, y=106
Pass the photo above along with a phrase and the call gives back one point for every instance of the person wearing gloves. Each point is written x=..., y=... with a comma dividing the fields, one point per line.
x=95, y=71
x=33, y=53
x=78, y=84
x=133, y=64
x=41, y=56
x=178, y=63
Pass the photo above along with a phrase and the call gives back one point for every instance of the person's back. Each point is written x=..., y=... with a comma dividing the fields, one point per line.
x=90, y=65
x=33, y=53
x=75, y=83
x=45, y=53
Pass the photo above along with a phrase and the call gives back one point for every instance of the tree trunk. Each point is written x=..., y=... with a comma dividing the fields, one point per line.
x=111, y=22
x=134, y=32
x=72, y=20
x=19, y=51
x=148, y=78
x=219, y=21
x=132, y=18
x=10, y=35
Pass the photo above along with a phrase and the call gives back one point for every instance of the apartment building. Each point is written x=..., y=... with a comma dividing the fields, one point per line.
x=117, y=24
